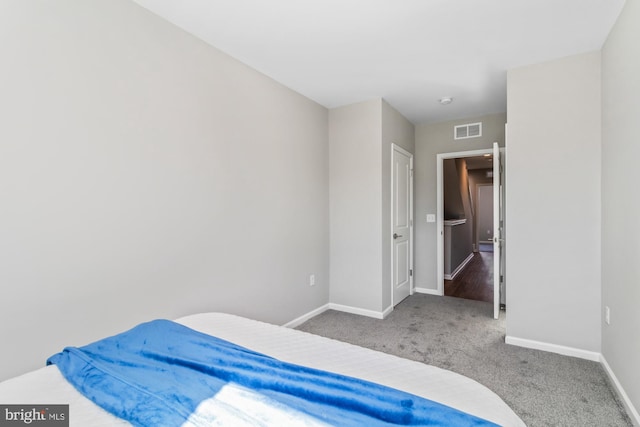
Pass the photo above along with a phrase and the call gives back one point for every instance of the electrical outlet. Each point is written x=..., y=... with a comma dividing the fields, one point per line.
x=607, y=315
x=312, y=280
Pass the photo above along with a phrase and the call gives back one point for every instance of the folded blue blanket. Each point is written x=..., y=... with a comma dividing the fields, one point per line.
x=164, y=374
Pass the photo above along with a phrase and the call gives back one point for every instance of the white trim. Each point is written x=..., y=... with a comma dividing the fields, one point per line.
x=439, y=225
x=459, y=268
x=386, y=312
x=300, y=320
x=497, y=235
x=631, y=410
x=428, y=291
x=553, y=348
x=360, y=311
x=338, y=307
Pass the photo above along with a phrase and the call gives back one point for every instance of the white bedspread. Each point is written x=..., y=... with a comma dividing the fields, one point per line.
x=47, y=386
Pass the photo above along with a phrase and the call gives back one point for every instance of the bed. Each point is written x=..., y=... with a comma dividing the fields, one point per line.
x=48, y=386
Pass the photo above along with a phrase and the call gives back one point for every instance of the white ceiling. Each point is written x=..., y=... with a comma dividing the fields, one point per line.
x=409, y=52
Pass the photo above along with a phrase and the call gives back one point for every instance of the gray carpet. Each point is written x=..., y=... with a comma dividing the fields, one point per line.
x=544, y=389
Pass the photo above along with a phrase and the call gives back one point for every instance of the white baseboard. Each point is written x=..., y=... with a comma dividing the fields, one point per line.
x=386, y=312
x=631, y=410
x=338, y=307
x=459, y=268
x=300, y=320
x=553, y=348
x=427, y=291
x=360, y=311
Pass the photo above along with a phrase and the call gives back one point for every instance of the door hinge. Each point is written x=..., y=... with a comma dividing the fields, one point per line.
x=501, y=278
x=411, y=272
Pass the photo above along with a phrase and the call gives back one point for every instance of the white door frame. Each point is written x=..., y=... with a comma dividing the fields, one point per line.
x=440, y=158
x=395, y=147
x=497, y=228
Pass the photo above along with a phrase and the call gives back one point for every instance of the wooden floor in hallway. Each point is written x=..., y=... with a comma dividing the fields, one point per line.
x=475, y=281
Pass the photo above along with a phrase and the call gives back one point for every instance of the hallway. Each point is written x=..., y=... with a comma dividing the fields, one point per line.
x=475, y=281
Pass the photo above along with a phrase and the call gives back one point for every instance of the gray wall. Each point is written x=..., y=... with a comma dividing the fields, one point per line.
x=484, y=213
x=432, y=139
x=553, y=202
x=460, y=246
x=355, y=132
x=396, y=129
x=620, y=201
x=457, y=205
x=477, y=177
x=451, y=195
x=145, y=174
x=360, y=138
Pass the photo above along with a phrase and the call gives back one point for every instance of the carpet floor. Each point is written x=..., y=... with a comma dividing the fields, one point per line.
x=544, y=389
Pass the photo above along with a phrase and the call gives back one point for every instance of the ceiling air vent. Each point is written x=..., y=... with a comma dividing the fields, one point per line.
x=470, y=130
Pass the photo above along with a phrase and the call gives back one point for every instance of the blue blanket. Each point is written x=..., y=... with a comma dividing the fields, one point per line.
x=164, y=374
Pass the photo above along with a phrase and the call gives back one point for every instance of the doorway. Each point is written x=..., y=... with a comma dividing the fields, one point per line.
x=469, y=225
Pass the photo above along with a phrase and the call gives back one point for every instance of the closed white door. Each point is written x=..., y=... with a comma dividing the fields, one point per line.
x=402, y=223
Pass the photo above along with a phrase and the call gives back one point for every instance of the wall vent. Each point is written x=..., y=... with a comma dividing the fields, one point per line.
x=470, y=130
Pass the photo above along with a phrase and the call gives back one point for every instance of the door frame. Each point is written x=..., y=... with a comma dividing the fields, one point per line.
x=497, y=228
x=395, y=147
x=440, y=158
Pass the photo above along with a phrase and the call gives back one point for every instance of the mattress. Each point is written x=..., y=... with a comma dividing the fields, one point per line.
x=47, y=386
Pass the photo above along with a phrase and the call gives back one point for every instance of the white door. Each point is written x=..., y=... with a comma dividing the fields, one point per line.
x=497, y=228
x=401, y=223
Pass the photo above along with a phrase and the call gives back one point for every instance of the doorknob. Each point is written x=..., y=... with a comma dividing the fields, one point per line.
x=395, y=235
